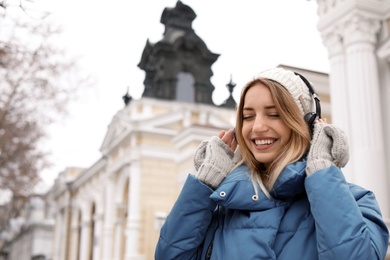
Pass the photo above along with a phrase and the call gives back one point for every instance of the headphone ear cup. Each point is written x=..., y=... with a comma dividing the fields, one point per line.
x=310, y=118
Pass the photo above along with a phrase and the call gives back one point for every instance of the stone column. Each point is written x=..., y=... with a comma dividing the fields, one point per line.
x=133, y=217
x=339, y=89
x=97, y=236
x=364, y=105
x=108, y=226
x=62, y=238
x=58, y=235
x=118, y=233
x=85, y=241
x=74, y=241
x=66, y=230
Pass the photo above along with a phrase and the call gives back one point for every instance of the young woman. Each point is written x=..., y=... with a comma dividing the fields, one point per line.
x=280, y=194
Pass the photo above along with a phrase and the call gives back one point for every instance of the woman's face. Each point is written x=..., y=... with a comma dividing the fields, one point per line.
x=264, y=131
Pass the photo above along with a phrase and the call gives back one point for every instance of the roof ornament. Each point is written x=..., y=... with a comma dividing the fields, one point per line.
x=230, y=102
x=127, y=98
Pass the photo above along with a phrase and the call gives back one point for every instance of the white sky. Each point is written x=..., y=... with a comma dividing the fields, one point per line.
x=250, y=35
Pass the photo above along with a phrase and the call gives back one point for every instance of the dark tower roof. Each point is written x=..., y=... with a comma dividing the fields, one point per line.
x=178, y=67
x=181, y=16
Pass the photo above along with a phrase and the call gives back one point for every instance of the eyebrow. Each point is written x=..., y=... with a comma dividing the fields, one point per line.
x=266, y=107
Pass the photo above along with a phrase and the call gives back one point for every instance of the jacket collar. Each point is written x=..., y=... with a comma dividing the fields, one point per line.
x=291, y=181
x=237, y=190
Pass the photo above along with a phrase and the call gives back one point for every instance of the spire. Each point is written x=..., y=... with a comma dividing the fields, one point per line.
x=230, y=102
x=127, y=98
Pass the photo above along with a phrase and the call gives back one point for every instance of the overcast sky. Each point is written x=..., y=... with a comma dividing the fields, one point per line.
x=109, y=37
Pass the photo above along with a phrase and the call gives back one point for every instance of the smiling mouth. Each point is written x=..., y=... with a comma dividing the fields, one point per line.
x=264, y=142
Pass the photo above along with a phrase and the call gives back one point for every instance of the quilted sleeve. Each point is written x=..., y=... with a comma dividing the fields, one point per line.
x=184, y=230
x=348, y=220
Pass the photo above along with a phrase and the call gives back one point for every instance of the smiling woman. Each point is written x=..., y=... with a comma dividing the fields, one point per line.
x=280, y=191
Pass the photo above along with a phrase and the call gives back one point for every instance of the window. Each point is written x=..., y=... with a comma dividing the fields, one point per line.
x=185, y=90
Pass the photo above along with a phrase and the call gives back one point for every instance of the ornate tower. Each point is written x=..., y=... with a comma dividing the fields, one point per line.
x=178, y=67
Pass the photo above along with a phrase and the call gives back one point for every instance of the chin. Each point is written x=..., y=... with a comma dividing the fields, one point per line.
x=265, y=159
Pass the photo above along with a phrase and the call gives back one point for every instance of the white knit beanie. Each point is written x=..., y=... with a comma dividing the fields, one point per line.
x=294, y=84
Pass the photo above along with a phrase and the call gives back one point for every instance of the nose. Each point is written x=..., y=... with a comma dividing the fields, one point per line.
x=260, y=125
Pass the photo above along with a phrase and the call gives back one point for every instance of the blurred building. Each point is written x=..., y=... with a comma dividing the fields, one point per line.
x=30, y=235
x=115, y=208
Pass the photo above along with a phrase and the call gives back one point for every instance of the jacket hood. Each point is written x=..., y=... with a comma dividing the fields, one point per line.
x=237, y=190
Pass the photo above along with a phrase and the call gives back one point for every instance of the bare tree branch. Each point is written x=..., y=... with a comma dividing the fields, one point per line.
x=37, y=81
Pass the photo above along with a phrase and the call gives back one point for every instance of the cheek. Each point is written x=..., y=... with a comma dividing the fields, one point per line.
x=246, y=129
x=285, y=133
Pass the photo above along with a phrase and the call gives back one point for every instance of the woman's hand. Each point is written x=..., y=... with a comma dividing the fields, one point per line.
x=214, y=159
x=228, y=138
x=329, y=145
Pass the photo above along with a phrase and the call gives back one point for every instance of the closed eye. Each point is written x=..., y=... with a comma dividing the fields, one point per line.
x=247, y=117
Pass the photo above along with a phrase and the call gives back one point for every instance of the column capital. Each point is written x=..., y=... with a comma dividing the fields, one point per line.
x=360, y=29
x=334, y=43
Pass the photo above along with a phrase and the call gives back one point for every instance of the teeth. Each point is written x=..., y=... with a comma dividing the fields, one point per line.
x=264, y=142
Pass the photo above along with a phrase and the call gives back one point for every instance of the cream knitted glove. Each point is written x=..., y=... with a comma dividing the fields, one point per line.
x=213, y=161
x=329, y=145
x=200, y=154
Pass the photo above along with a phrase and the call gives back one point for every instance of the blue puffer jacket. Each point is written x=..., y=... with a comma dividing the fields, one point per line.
x=315, y=217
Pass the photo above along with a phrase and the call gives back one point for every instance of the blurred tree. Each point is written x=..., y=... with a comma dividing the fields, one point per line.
x=37, y=80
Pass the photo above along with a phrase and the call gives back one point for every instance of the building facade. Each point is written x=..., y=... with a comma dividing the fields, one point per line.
x=114, y=209
x=30, y=235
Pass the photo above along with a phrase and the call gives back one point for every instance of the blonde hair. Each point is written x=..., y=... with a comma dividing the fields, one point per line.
x=293, y=150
